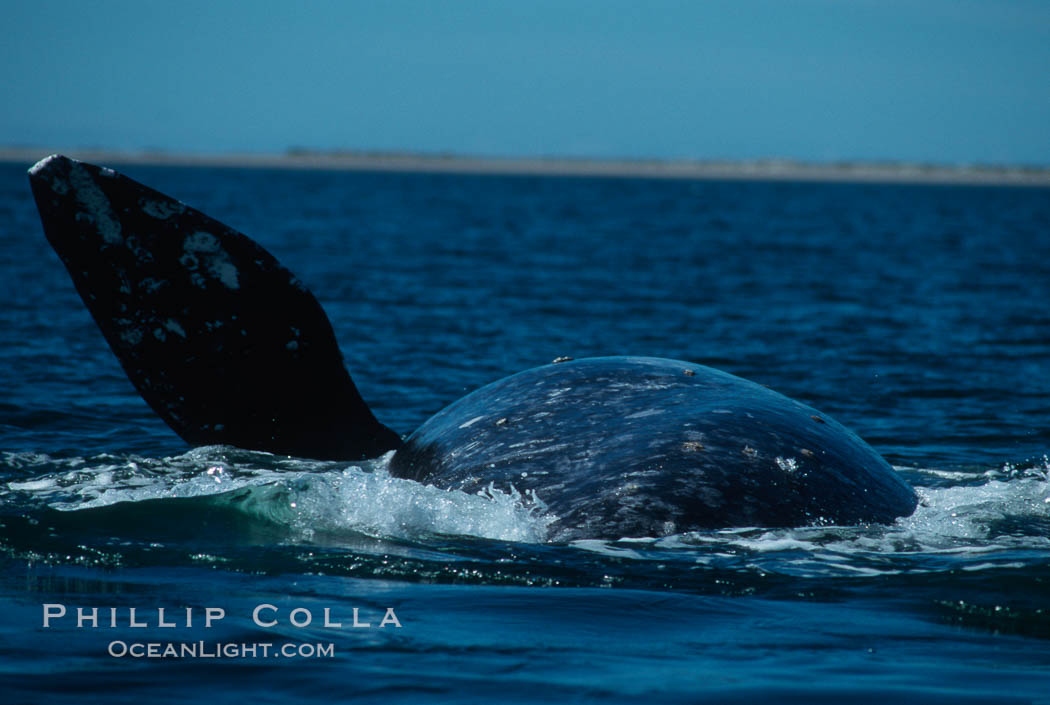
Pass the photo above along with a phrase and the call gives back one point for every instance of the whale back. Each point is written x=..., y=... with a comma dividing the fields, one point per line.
x=223, y=342
x=623, y=446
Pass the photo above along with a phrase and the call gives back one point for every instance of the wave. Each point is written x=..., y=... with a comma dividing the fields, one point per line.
x=972, y=521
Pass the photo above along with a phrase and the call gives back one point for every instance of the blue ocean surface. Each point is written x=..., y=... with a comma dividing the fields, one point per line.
x=919, y=316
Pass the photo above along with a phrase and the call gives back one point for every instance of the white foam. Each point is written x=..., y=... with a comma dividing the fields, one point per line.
x=309, y=497
x=962, y=522
x=33, y=485
x=378, y=504
x=967, y=511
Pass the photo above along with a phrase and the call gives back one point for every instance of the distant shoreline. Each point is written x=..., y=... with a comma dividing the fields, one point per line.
x=762, y=170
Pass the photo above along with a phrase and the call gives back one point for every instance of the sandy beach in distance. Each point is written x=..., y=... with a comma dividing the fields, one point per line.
x=761, y=170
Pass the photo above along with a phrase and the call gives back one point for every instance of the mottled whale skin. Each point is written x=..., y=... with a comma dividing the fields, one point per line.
x=223, y=342
x=228, y=347
x=640, y=446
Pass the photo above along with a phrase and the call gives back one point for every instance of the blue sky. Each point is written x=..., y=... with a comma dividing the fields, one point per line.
x=947, y=81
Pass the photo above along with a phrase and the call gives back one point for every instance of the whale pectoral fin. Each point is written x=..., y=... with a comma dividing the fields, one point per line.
x=223, y=342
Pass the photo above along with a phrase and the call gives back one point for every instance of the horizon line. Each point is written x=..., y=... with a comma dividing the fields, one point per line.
x=764, y=169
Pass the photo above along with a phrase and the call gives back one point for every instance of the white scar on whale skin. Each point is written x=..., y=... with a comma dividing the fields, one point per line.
x=208, y=249
x=59, y=186
x=471, y=422
x=131, y=336
x=174, y=327
x=161, y=210
x=39, y=166
x=95, y=204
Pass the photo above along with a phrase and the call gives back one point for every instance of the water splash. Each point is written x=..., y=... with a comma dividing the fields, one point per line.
x=309, y=497
x=969, y=521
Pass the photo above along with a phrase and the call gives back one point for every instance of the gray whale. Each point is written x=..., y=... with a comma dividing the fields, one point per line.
x=228, y=347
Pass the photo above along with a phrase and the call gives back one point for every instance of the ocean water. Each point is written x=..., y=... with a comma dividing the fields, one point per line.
x=916, y=315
